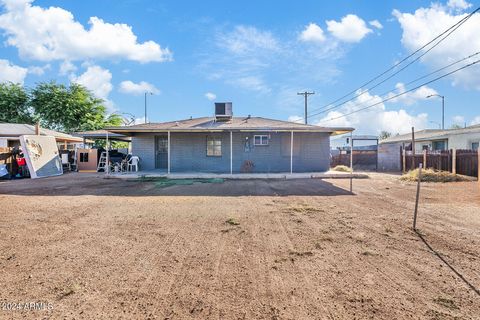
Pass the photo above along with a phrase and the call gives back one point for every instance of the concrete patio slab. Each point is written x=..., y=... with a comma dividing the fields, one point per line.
x=237, y=176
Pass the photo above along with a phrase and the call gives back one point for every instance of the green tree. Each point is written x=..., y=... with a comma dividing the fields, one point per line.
x=14, y=104
x=384, y=135
x=70, y=109
x=456, y=126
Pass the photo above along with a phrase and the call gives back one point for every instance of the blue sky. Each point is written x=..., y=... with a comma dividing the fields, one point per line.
x=256, y=54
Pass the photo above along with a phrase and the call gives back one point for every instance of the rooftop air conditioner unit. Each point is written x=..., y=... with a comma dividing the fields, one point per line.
x=223, y=111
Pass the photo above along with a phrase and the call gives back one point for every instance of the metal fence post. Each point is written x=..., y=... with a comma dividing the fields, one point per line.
x=417, y=197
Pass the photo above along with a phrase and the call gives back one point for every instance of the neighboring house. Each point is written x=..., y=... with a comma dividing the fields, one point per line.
x=10, y=135
x=429, y=139
x=227, y=144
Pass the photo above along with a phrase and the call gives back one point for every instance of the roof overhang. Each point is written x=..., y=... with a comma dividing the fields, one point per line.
x=131, y=131
x=58, y=139
x=103, y=136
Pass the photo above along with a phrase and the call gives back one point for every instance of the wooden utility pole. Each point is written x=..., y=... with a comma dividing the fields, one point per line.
x=306, y=94
x=413, y=148
x=478, y=166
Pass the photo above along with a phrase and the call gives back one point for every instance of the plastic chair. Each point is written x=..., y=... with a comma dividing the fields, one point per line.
x=133, y=163
x=65, y=162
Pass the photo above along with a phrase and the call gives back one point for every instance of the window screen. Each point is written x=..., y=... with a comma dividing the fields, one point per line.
x=260, y=140
x=214, y=147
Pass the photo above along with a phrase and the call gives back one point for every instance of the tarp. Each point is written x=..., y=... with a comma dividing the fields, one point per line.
x=42, y=156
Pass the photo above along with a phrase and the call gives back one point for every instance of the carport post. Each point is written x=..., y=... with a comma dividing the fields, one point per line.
x=291, y=152
x=168, y=151
x=231, y=152
x=107, y=146
x=351, y=161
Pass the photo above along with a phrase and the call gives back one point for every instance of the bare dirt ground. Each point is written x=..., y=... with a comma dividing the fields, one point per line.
x=99, y=248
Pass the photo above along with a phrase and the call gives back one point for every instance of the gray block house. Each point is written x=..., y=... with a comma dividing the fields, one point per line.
x=227, y=144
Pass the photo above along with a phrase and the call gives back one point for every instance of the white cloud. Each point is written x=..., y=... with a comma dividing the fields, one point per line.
x=376, y=24
x=210, y=96
x=410, y=98
x=475, y=121
x=350, y=29
x=246, y=39
x=458, y=120
x=296, y=119
x=252, y=83
x=426, y=23
x=130, y=87
x=140, y=120
x=98, y=81
x=67, y=67
x=375, y=119
x=36, y=70
x=255, y=60
x=458, y=4
x=12, y=73
x=53, y=34
x=312, y=33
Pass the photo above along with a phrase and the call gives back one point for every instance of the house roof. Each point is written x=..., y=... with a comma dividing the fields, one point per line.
x=15, y=130
x=102, y=134
x=208, y=124
x=431, y=134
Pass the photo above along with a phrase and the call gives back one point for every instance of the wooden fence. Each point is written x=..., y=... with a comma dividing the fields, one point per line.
x=362, y=159
x=463, y=162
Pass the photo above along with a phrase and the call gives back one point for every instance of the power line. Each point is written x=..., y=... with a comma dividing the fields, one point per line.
x=405, y=92
x=410, y=82
x=450, y=30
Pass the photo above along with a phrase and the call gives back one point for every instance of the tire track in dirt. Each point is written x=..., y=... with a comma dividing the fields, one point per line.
x=176, y=278
x=305, y=282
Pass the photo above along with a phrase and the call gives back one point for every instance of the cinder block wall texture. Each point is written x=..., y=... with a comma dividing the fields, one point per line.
x=188, y=152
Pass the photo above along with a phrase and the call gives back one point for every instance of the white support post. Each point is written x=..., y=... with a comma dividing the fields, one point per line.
x=291, y=152
x=168, y=151
x=231, y=152
x=351, y=161
x=107, y=162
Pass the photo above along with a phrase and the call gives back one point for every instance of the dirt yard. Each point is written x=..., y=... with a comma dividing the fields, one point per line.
x=97, y=248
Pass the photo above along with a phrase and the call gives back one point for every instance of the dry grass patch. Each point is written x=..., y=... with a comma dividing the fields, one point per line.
x=341, y=168
x=431, y=175
x=232, y=222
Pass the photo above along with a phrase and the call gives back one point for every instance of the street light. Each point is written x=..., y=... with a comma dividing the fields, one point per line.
x=146, y=104
x=443, y=107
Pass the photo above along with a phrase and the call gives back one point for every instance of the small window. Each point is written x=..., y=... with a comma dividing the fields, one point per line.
x=214, y=147
x=475, y=146
x=260, y=140
x=83, y=157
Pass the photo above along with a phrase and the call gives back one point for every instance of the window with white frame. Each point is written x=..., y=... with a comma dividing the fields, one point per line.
x=214, y=147
x=260, y=140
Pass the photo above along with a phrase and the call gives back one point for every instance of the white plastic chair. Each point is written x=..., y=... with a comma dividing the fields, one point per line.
x=65, y=162
x=133, y=163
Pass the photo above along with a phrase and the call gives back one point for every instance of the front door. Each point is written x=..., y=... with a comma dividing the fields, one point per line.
x=161, y=152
